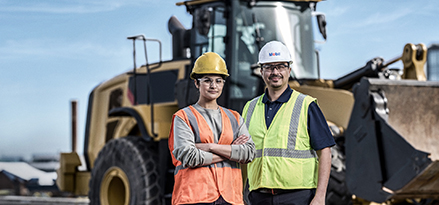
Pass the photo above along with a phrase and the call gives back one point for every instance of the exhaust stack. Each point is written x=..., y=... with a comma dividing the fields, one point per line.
x=180, y=39
x=74, y=117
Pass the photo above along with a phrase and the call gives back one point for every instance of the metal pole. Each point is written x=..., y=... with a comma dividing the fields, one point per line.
x=150, y=97
x=134, y=73
x=74, y=117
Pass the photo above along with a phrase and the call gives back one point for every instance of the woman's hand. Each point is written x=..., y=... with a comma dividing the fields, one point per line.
x=223, y=151
x=240, y=140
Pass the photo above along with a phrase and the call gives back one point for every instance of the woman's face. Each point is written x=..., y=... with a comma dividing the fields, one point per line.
x=210, y=87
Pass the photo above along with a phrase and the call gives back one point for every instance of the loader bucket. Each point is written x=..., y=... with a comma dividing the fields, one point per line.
x=392, y=140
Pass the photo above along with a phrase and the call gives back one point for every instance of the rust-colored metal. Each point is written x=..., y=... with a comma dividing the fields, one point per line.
x=414, y=112
x=425, y=185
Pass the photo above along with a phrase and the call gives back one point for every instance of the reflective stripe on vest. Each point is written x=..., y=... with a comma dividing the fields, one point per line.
x=290, y=152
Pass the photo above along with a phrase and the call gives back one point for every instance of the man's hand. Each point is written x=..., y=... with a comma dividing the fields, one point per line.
x=240, y=140
x=318, y=200
x=323, y=178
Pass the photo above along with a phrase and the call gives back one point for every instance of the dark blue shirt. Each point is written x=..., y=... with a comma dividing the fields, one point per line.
x=318, y=130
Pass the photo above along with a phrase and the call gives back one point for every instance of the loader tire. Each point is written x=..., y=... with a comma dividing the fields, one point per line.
x=337, y=192
x=125, y=172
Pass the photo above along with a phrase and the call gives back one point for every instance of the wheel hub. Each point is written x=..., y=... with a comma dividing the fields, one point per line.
x=115, y=187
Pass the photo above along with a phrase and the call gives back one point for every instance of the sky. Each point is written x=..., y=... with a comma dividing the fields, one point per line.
x=53, y=52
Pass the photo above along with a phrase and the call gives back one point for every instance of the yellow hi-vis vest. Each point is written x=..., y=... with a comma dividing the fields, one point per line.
x=284, y=157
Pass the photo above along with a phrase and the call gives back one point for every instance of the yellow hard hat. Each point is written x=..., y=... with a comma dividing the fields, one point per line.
x=209, y=63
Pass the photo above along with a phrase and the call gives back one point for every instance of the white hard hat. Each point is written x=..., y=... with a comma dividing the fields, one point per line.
x=274, y=51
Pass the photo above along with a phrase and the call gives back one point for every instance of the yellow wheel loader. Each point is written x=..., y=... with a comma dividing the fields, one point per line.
x=384, y=120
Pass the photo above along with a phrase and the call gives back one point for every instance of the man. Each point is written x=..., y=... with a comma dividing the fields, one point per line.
x=293, y=156
x=208, y=142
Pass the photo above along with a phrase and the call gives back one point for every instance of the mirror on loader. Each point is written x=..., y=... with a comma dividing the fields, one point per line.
x=321, y=27
x=203, y=19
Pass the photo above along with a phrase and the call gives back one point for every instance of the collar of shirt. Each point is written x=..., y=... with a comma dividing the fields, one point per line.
x=282, y=99
x=271, y=108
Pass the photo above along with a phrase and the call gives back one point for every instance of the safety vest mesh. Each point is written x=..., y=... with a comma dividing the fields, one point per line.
x=284, y=157
x=205, y=184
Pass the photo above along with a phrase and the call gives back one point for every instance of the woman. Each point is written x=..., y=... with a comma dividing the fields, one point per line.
x=208, y=142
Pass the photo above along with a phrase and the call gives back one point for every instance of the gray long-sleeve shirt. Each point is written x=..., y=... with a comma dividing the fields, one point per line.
x=184, y=140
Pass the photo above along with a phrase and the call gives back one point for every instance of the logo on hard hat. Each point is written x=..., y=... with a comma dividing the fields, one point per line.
x=274, y=54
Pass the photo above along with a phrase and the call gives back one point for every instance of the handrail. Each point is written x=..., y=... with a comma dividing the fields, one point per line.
x=148, y=69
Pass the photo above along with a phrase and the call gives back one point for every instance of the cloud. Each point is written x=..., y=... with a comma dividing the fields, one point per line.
x=36, y=48
x=337, y=11
x=397, y=13
x=385, y=18
x=65, y=6
x=430, y=8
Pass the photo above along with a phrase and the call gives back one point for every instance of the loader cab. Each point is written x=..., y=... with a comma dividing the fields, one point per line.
x=237, y=30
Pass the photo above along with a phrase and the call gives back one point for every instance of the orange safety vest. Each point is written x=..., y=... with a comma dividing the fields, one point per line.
x=206, y=184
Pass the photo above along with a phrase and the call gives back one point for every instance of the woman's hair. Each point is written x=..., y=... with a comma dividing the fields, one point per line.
x=198, y=76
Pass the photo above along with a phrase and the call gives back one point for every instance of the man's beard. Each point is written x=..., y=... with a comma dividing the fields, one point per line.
x=278, y=76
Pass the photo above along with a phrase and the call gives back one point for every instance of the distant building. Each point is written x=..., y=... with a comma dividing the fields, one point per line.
x=12, y=159
x=19, y=178
x=45, y=162
x=11, y=184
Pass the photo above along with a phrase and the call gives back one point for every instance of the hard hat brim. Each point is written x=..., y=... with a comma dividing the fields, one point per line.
x=208, y=73
x=275, y=61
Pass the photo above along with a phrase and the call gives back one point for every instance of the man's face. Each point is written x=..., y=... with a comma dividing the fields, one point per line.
x=275, y=75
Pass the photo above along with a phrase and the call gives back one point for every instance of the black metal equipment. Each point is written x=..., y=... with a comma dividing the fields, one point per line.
x=378, y=159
